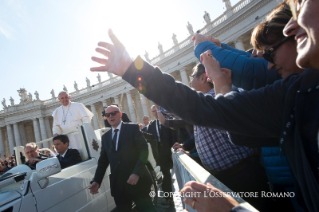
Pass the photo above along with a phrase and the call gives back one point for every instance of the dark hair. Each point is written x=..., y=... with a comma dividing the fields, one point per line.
x=200, y=69
x=271, y=31
x=63, y=138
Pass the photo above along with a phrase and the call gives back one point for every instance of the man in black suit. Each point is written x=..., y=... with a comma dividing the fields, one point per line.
x=67, y=157
x=165, y=139
x=146, y=122
x=125, y=149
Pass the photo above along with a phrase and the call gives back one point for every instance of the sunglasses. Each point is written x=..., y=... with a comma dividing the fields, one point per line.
x=111, y=113
x=268, y=54
x=295, y=7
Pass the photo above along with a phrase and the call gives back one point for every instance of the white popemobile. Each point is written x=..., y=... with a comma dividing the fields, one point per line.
x=50, y=188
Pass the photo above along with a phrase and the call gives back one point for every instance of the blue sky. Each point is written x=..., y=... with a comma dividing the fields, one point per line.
x=46, y=44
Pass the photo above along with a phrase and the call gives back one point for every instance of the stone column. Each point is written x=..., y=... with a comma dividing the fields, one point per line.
x=48, y=129
x=144, y=105
x=239, y=45
x=2, y=150
x=116, y=100
x=43, y=132
x=36, y=130
x=184, y=76
x=104, y=103
x=22, y=134
x=17, y=134
x=95, y=121
x=10, y=139
x=131, y=106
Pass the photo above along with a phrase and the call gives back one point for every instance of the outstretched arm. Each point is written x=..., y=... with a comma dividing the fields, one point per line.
x=248, y=113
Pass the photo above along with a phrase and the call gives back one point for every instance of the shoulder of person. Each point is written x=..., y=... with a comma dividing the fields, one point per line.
x=77, y=103
x=151, y=122
x=73, y=151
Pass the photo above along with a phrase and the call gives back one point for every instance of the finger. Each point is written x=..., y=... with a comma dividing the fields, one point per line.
x=103, y=51
x=196, y=186
x=101, y=68
x=99, y=60
x=106, y=45
x=189, y=200
x=188, y=183
x=114, y=39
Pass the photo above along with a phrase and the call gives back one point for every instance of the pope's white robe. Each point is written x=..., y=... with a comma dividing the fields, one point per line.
x=74, y=114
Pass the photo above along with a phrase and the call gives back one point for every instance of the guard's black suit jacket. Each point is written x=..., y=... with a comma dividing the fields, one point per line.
x=167, y=141
x=130, y=158
x=150, y=138
x=71, y=157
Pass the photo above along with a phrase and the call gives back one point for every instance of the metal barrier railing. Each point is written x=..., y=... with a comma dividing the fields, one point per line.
x=186, y=169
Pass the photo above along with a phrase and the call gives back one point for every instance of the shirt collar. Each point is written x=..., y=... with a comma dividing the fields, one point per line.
x=64, y=153
x=118, y=127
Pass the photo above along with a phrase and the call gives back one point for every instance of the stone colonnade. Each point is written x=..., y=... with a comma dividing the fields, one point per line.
x=134, y=104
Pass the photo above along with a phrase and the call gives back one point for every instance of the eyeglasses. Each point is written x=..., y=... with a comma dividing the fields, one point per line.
x=296, y=7
x=268, y=54
x=111, y=113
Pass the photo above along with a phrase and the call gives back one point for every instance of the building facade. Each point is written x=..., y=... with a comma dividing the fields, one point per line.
x=31, y=120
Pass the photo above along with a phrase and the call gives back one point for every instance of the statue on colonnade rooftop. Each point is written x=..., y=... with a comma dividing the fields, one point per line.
x=207, y=18
x=65, y=89
x=30, y=97
x=227, y=4
x=175, y=40
x=147, y=56
x=4, y=103
x=53, y=94
x=160, y=48
x=99, y=77
x=76, y=86
x=88, y=82
x=190, y=28
x=11, y=101
x=36, y=95
x=23, y=95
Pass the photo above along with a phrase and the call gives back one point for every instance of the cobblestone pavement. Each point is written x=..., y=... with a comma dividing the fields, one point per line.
x=177, y=200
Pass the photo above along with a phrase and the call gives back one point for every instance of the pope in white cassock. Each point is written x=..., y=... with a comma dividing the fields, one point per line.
x=68, y=117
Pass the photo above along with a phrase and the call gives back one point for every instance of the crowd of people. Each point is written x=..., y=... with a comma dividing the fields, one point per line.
x=278, y=117
x=7, y=163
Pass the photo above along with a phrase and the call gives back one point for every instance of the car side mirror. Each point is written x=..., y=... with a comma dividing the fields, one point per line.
x=48, y=167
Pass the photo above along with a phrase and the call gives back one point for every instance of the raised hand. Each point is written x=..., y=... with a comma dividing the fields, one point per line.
x=198, y=38
x=220, y=77
x=116, y=59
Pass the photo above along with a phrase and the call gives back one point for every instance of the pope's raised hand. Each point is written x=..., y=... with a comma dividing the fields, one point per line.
x=116, y=59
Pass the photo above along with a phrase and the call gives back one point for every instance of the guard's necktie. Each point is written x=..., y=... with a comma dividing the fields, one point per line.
x=115, y=138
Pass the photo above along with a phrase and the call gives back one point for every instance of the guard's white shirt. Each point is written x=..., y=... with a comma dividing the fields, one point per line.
x=118, y=134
